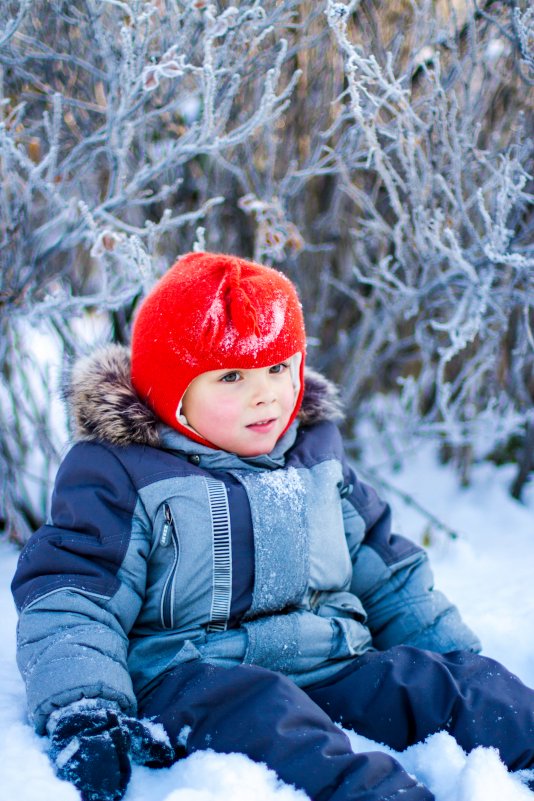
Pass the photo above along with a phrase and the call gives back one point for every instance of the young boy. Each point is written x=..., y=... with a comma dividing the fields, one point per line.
x=213, y=563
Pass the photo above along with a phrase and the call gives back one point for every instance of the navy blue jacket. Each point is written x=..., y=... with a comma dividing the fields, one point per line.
x=160, y=551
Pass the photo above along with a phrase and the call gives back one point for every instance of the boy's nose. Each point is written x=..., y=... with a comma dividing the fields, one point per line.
x=263, y=392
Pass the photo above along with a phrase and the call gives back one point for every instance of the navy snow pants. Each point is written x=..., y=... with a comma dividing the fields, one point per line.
x=397, y=697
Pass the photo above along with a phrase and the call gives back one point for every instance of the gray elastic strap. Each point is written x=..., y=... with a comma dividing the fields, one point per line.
x=222, y=555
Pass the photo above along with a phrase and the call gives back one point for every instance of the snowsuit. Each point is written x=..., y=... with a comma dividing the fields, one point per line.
x=247, y=603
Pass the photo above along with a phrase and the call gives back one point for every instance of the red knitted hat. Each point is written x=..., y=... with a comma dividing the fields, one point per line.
x=212, y=312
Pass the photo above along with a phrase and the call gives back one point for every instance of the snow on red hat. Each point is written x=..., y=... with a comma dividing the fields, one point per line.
x=212, y=312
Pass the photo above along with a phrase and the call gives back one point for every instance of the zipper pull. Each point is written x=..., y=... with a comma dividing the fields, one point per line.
x=165, y=538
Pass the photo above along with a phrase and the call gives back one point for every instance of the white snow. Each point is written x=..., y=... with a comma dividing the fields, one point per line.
x=488, y=571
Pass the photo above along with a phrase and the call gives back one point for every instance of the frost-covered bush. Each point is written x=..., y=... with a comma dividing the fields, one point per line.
x=435, y=153
x=113, y=117
x=380, y=153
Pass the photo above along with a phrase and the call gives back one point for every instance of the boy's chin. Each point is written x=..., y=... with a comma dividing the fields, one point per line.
x=248, y=446
x=250, y=452
x=251, y=455
x=256, y=449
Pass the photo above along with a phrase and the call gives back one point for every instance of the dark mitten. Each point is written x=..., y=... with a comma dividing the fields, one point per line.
x=91, y=747
x=149, y=743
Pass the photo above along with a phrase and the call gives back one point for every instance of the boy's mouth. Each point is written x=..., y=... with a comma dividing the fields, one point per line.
x=262, y=425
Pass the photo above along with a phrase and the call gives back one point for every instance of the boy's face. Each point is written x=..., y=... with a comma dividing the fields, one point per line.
x=241, y=411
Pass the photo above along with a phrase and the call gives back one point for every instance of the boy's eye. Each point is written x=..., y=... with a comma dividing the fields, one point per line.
x=278, y=368
x=230, y=378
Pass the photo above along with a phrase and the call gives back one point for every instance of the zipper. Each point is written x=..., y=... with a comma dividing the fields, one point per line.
x=166, y=532
x=168, y=536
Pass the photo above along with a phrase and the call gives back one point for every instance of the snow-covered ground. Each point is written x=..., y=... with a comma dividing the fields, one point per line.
x=488, y=571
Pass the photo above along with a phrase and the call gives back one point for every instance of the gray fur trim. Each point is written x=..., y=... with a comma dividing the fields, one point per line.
x=321, y=399
x=103, y=404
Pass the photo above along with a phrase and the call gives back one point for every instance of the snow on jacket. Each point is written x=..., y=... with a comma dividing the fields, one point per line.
x=160, y=550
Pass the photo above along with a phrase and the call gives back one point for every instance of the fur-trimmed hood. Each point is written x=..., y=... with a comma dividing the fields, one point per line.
x=103, y=404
